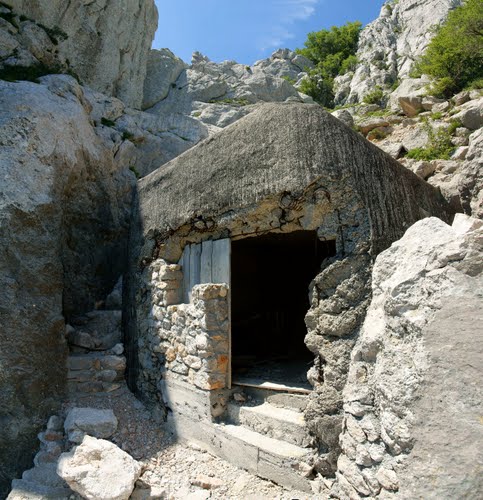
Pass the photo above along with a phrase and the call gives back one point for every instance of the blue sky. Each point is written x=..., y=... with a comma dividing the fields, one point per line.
x=248, y=30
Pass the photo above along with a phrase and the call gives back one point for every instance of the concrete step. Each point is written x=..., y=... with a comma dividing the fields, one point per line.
x=267, y=457
x=280, y=399
x=268, y=420
x=25, y=490
x=278, y=461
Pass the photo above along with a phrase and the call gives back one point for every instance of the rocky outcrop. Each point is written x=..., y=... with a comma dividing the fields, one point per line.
x=186, y=104
x=389, y=45
x=446, y=133
x=105, y=42
x=99, y=469
x=64, y=204
x=414, y=385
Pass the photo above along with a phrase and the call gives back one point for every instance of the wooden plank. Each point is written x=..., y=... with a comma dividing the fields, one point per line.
x=220, y=270
x=206, y=256
x=261, y=384
x=195, y=261
x=185, y=266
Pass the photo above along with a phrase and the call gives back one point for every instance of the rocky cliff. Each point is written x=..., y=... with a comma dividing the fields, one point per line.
x=389, y=46
x=64, y=216
x=106, y=42
x=65, y=193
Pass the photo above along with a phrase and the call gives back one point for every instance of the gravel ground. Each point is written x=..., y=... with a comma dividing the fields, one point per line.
x=173, y=470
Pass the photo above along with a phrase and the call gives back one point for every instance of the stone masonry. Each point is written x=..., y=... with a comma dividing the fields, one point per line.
x=189, y=340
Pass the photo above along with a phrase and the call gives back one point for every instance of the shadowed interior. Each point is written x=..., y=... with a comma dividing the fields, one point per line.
x=270, y=277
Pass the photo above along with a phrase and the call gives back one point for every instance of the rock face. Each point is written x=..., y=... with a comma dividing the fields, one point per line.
x=414, y=385
x=186, y=104
x=106, y=42
x=99, y=469
x=389, y=45
x=64, y=205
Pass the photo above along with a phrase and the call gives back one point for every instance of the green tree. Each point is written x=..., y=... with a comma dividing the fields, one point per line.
x=454, y=57
x=333, y=53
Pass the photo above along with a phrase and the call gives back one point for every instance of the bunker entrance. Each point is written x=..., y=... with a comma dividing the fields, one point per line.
x=270, y=277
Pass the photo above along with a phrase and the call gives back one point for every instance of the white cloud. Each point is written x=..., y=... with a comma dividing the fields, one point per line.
x=286, y=12
x=296, y=10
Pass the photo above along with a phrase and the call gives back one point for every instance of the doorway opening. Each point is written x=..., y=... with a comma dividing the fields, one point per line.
x=270, y=277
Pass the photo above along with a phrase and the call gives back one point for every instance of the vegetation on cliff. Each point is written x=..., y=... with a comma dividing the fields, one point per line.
x=333, y=52
x=454, y=57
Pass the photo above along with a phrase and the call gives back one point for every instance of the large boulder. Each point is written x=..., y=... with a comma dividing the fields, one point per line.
x=64, y=208
x=98, y=469
x=106, y=42
x=413, y=397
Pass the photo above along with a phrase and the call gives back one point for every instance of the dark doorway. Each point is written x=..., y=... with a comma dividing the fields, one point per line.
x=270, y=277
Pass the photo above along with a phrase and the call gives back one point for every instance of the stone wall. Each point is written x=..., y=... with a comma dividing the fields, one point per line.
x=282, y=168
x=190, y=341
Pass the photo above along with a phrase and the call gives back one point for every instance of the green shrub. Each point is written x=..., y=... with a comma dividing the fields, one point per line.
x=454, y=57
x=292, y=81
x=333, y=53
x=374, y=97
x=439, y=148
x=453, y=125
x=27, y=73
x=55, y=34
x=437, y=116
x=134, y=170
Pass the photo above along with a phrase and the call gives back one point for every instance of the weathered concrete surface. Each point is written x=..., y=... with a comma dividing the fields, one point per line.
x=106, y=42
x=284, y=148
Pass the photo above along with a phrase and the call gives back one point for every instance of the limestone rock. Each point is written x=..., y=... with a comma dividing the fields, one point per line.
x=98, y=469
x=106, y=43
x=114, y=299
x=344, y=116
x=82, y=421
x=163, y=69
x=418, y=350
x=64, y=207
x=471, y=114
x=100, y=331
x=389, y=45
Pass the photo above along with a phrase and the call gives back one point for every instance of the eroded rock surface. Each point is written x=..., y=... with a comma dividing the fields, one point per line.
x=106, y=42
x=389, y=45
x=64, y=204
x=414, y=385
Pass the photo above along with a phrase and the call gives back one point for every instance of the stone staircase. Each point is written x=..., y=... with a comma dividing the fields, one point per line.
x=95, y=366
x=269, y=428
x=42, y=481
x=262, y=431
x=95, y=363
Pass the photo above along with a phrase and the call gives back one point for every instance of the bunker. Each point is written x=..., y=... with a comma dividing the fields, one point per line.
x=250, y=266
